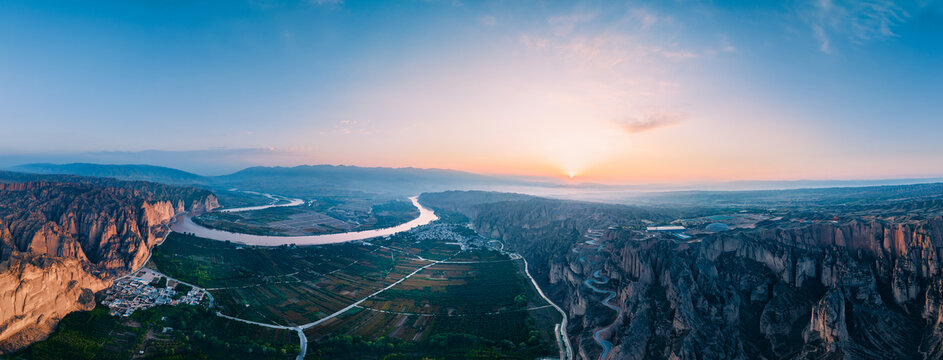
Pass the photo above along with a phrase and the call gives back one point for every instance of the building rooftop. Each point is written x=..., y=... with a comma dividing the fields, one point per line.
x=666, y=228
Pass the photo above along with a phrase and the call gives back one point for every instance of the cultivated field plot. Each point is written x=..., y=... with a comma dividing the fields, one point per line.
x=475, y=303
x=312, y=218
x=283, y=221
x=281, y=285
x=451, y=310
x=183, y=332
x=479, y=255
x=215, y=264
x=309, y=222
x=310, y=298
x=427, y=249
x=459, y=288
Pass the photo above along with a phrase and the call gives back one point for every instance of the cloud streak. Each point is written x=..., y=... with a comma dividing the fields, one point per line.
x=860, y=21
x=651, y=120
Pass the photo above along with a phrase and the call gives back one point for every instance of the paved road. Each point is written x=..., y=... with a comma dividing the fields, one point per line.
x=351, y=306
x=272, y=326
x=304, y=344
x=606, y=345
x=301, y=334
x=566, y=352
x=300, y=329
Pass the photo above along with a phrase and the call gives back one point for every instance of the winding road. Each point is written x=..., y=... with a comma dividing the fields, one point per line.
x=183, y=223
x=426, y=216
x=300, y=328
x=563, y=341
x=606, y=345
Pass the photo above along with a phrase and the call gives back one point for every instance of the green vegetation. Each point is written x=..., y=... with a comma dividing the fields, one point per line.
x=164, y=332
x=439, y=346
x=258, y=222
x=160, y=282
x=82, y=335
x=279, y=284
x=237, y=199
x=393, y=213
x=320, y=216
x=481, y=288
x=482, y=307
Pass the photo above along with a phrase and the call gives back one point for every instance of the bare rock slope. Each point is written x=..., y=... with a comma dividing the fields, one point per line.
x=867, y=286
x=64, y=238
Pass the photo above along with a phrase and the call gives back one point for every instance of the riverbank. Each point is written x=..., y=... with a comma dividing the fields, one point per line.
x=185, y=224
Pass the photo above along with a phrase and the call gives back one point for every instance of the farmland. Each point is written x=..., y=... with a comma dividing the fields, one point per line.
x=164, y=332
x=320, y=216
x=449, y=310
x=471, y=303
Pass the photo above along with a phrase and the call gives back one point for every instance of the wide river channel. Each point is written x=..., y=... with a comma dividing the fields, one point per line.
x=184, y=224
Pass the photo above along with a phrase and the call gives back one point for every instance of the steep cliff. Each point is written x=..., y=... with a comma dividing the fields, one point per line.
x=867, y=287
x=60, y=242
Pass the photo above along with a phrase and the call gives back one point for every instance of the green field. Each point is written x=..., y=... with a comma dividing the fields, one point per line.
x=455, y=311
x=280, y=285
x=196, y=334
x=475, y=304
x=317, y=217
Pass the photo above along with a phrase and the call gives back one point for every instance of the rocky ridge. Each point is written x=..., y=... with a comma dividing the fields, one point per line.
x=865, y=287
x=60, y=242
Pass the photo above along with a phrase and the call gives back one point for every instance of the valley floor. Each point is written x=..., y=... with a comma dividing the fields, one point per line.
x=438, y=291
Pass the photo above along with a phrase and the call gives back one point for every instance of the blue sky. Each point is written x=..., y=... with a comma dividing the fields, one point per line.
x=610, y=91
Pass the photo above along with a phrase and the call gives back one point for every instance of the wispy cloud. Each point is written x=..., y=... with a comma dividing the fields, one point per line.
x=651, y=120
x=565, y=24
x=859, y=21
x=618, y=65
x=644, y=18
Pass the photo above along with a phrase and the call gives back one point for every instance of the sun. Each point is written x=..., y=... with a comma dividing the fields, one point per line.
x=572, y=175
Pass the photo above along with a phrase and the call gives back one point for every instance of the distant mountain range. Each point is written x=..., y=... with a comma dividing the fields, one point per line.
x=123, y=172
x=304, y=180
x=337, y=180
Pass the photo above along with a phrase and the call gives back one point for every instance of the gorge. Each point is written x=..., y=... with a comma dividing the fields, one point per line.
x=863, y=286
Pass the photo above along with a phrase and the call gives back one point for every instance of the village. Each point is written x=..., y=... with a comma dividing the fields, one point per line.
x=147, y=288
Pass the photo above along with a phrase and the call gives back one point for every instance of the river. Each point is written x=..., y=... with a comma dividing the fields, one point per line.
x=275, y=199
x=185, y=224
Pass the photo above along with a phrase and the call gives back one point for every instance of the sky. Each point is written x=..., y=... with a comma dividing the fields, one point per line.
x=607, y=91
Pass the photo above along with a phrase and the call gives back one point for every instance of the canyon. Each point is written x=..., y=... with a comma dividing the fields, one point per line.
x=866, y=285
x=63, y=238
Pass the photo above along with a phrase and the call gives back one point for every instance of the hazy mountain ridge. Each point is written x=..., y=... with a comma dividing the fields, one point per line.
x=60, y=242
x=122, y=172
x=302, y=180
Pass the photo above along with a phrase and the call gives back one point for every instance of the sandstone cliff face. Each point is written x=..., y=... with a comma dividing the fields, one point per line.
x=862, y=289
x=62, y=242
x=36, y=293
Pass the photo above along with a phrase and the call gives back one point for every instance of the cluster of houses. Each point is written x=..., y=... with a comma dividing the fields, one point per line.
x=448, y=232
x=133, y=293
